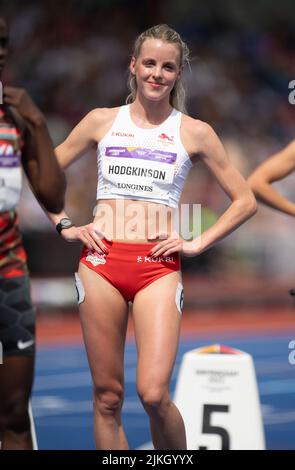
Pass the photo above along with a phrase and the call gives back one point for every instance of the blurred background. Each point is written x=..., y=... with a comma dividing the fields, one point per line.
x=73, y=56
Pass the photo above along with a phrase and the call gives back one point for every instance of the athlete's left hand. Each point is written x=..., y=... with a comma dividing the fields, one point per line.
x=173, y=244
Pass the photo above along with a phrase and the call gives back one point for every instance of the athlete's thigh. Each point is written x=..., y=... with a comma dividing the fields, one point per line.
x=17, y=337
x=104, y=318
x=17, y=317
x=157, y=317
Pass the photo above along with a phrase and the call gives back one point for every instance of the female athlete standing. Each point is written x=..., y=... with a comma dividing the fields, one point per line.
x=24, y=141
x=145, y=151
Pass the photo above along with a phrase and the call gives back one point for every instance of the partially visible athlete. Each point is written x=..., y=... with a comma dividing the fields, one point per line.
x=24, y=142
x=145, y=150
x=275, y=168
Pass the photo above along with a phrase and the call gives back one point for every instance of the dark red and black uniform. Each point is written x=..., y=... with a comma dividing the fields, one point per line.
x=17, y=315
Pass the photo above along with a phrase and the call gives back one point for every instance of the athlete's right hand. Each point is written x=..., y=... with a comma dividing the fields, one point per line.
x=88, y=234
x=21, y=100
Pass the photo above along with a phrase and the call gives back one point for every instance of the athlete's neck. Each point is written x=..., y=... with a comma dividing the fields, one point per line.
x=147, y=112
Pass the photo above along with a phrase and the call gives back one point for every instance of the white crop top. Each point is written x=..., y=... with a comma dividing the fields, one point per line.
x=142, y=164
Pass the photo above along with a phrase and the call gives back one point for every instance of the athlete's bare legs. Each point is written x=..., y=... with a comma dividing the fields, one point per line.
x=104, y=317
x=157, y=324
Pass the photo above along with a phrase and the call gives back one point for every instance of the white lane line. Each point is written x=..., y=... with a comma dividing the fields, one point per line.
x=73, y=380
x=277, y=387
x=52, y=405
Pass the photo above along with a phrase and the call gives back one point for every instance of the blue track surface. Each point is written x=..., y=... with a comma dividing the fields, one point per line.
x=62, y=396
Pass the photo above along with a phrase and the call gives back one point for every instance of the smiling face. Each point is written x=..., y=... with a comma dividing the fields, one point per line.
x=3, y=43
x=156, y=68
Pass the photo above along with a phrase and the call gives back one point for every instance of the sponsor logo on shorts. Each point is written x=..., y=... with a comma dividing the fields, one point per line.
x=96, y=259
x=25, y=344
x=159, y=259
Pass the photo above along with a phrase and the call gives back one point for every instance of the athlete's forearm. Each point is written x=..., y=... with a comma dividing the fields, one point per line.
x=238, y=212
x=43, y=171
x=38, y=158
x=267, y=194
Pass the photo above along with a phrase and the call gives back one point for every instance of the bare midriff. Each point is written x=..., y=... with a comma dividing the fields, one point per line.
x=133, y=221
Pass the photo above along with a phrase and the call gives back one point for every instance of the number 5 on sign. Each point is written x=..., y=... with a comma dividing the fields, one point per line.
x=216, y=393
x=207, y=427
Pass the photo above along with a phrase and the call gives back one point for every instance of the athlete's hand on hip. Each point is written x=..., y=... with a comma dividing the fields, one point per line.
x=87, y=234
x=173, y=244
x=21, y=100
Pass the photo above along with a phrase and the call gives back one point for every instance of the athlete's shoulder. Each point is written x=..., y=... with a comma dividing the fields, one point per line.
x=101, y=116
x=196, y=129
x=289, y=150
x=100, y=120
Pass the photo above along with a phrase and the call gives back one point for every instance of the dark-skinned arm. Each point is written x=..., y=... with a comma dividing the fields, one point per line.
x=38, y=158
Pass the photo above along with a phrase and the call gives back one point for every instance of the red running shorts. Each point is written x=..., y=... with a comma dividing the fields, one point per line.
x=128, y=267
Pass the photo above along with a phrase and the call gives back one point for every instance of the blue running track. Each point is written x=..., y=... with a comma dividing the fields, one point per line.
x=62, y=399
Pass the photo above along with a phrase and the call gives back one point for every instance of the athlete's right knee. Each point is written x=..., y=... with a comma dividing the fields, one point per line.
x=108, y=401
x=15, y=415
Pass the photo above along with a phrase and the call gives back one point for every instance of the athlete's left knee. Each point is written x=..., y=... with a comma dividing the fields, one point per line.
x=155, y=400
